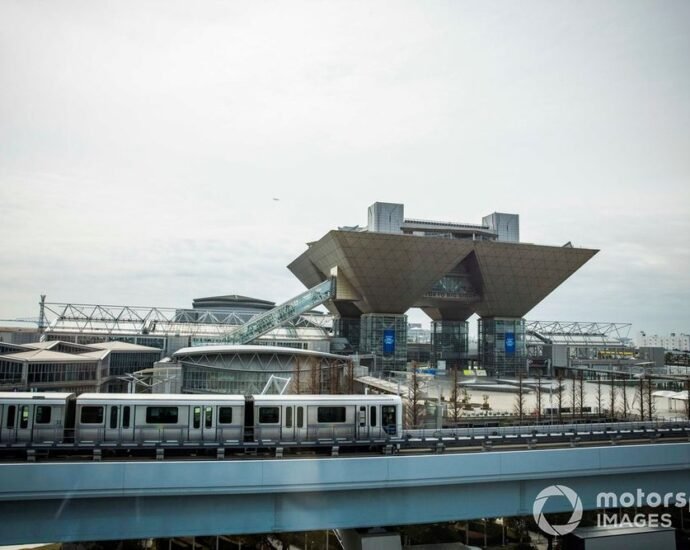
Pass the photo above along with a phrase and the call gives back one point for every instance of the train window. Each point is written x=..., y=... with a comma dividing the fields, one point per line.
x=269, y=415
x=125, y=417
x=224, y=415
x=113, y=417
x=208, y=421
x=331, y=414
x=161, y=415
x=197, y=418
x=24, y=418
x=11, y=416
x=43, y=414
x=300, y=417
x=372, y=419
x=92, y=415
x=388, y=420
x=288, y=417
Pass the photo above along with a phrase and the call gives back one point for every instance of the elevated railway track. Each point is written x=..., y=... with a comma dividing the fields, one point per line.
x=420, y=441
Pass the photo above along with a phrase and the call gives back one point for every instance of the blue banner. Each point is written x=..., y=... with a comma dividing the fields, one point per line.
x=388, y=341
x=510, y=343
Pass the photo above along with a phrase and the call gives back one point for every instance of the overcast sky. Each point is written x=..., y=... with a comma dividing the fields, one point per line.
x=142, y=143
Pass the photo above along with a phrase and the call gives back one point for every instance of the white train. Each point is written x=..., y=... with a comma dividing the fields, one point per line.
x=188, y=420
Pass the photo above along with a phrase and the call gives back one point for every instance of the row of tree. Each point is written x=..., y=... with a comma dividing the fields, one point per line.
x=567, y=398
x=564, y=399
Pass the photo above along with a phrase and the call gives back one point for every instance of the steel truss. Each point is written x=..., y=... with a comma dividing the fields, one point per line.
x=577, y=333
x=157, y=321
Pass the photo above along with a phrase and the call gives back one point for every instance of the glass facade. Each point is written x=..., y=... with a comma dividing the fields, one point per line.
x=502, y=349
x=128, y=362
x=449, y=343
x=62, y=372
x=349, y=328
x=384, y=336
x=248, y=374
x=10, y=372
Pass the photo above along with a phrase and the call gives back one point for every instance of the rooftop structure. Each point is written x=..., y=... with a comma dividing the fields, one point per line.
x=66, y=366
x=170, y=329
x=448, y=270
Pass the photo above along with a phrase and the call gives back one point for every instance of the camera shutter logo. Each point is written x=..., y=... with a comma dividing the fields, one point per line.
x=557, y=491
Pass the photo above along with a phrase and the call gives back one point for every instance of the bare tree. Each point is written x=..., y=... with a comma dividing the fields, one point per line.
x=573, y=395
x=297, y=380
x=626, y=405
x=455, y=400
x=581, y=392
x=650, y=399
x=350, y=377
x=315, y=381
x=539, y=391
x=520, y=399
x=600, y=400
x=612, y=400
x=415, y=411
x=641, y=394
x=334, y=375
x=559, y=397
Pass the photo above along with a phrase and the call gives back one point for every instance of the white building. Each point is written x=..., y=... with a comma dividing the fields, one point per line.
x=672, y=342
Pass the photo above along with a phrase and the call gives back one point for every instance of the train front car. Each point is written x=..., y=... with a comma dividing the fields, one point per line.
x=159, y=418
x=311, y=418
x=38, y=418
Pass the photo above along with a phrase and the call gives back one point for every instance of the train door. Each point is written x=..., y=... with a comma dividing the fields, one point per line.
x=389, y=419
x=248, y=418
x=288, y=432
x=11, y=419
x=112, y=423
x=127, y=422
x=374, y=424
x=208, y=428
x=24, y=422
x=300, y=421
x=47, y=423
x=195, y=422
x=362, y=423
